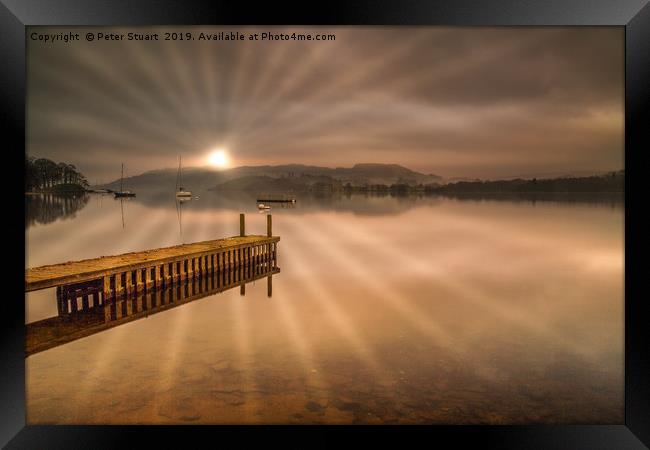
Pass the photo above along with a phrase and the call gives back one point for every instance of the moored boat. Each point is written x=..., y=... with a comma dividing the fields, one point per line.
x=180, y=191
x=122, y=192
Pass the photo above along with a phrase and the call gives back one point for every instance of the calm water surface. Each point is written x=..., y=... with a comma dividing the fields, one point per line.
x=386, y=310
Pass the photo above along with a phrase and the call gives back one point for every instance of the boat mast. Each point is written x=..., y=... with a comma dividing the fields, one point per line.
x=122, y=179
x=180, y=172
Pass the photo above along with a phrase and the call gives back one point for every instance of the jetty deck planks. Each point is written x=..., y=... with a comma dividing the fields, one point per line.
x=236, y=249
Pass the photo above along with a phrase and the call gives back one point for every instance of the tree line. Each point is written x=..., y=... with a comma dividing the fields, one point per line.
x=611, y=182
x=45, y=174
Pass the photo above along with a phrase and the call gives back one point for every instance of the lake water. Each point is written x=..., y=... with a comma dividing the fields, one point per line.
x=385, y=310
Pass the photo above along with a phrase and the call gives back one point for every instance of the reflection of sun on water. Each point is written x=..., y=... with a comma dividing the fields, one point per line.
x=218, y=159
x=350, y=312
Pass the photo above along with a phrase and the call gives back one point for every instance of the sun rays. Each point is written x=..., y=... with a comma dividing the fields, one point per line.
x=271, y=101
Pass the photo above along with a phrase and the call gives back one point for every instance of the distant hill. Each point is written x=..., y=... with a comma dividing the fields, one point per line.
x=282, y=177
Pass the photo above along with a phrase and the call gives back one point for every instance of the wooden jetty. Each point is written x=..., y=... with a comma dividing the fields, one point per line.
x=76, y=320
x=132, y=272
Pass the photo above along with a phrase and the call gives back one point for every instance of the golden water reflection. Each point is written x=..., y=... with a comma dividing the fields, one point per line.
x=448, y=311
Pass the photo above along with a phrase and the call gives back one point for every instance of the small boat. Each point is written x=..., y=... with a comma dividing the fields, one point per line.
x=122, y=192
x=263, y=206
x=99, y=191
x=181, y=192
x=276, y=198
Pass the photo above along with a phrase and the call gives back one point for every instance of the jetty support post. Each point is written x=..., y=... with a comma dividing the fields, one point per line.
x=128, y=284
x=59, y=300
x=107, y=312
x=148, y=282
x=118, y=284
x=242, y=225
x=269, y=226
x=138, y=280
x=174, y=272
x=107, y=288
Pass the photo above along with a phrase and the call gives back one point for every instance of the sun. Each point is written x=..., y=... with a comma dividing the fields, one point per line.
x=218, y=158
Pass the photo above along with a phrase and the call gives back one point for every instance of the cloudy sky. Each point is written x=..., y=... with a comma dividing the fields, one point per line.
x=457, y=102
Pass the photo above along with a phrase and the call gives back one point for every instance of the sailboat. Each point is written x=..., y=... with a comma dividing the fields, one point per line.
x=122, y=192
x=180, y=191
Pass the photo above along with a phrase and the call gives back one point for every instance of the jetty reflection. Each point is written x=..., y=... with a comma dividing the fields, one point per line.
x=82, y=310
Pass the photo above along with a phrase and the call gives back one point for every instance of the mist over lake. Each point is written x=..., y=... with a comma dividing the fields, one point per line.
x=387, y=309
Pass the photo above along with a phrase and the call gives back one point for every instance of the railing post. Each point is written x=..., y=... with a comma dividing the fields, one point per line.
x=269, y=226
x=242, y=225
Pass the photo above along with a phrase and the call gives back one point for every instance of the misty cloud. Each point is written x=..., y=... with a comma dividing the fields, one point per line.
x=480, y=102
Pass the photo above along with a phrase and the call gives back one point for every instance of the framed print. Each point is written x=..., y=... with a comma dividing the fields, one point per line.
x=410, y=220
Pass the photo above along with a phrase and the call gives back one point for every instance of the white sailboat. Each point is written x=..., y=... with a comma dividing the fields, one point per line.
x=180, y=191
x=122, y=192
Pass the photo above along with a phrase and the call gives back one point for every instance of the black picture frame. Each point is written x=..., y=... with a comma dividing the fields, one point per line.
x=634, y=15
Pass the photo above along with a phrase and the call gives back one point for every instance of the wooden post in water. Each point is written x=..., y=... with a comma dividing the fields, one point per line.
x=269, y=286
x=242, y=225
x=269, y=226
